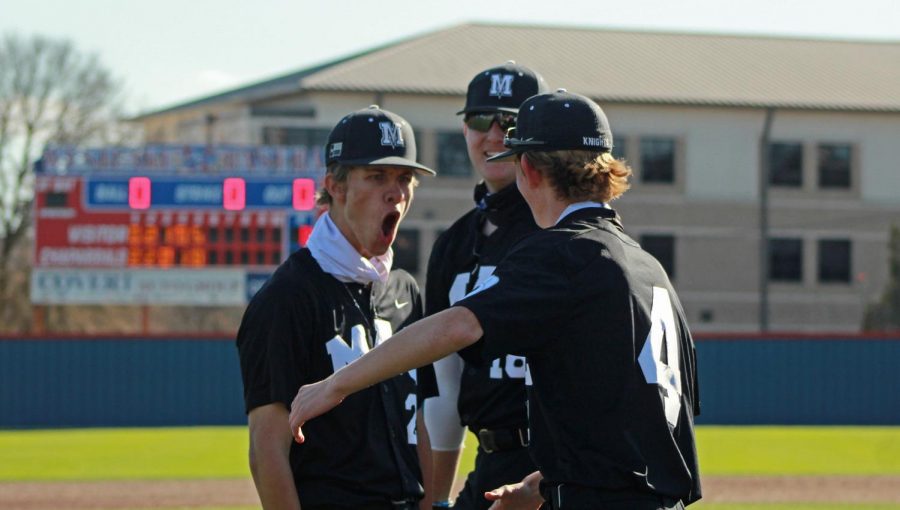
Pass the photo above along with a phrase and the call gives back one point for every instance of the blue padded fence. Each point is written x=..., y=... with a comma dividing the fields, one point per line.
x=80, y=382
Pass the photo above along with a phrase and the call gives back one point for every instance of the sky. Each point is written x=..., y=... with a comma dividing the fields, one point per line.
x=170, y=51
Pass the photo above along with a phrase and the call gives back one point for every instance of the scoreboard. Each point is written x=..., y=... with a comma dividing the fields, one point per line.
x=168, y=224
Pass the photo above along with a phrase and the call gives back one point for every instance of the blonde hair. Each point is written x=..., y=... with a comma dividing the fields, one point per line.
x=579, y=175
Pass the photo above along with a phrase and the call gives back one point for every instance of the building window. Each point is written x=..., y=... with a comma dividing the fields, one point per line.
x=834, y=165
x=834, y=261
x=620, y=147
x=657, y=160
x=452, y=156
x=786, y=260
x=309, y=137
x=406, y=250
x=786, y=164
x=661, y=246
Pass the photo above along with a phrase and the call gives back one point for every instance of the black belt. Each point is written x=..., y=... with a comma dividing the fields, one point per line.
x=563, y=496
x=499, y=440
x=407, y=504
x=404, y=504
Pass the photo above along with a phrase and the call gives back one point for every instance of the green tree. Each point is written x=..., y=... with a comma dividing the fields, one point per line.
x=49, y=93
x=884, y=315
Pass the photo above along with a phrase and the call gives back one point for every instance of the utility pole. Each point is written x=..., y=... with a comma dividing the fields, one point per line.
x=765, y=172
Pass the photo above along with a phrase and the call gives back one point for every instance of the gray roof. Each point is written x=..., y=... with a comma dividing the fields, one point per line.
x=620, y=66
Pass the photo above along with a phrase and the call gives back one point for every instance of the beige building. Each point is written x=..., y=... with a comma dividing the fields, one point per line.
x=688, y=112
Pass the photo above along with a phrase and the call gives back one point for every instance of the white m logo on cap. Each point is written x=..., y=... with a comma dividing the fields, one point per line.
x=391, y=135
x=501, y=85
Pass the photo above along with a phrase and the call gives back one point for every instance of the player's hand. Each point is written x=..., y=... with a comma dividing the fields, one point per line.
x=523, y=495
x=312, y=400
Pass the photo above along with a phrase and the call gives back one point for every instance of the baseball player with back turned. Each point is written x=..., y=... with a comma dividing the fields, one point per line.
x=488, y=398
x=610, y=358
x=327, y=305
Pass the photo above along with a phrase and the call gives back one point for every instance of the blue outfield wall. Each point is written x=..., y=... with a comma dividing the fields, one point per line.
x=48, y=383
x=799, y=380
x=119, y=382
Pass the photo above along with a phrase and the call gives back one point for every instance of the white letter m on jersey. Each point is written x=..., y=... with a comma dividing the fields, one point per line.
x=343, y=354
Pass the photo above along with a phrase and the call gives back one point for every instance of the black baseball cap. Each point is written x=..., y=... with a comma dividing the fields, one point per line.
x=373, y=136
x=502, y=89
x=558, y=121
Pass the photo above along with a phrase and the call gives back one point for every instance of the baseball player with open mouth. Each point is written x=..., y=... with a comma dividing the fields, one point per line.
x=326, y=306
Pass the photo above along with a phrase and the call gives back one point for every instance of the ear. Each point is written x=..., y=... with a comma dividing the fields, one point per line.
x=533, y=176
x=336, y=189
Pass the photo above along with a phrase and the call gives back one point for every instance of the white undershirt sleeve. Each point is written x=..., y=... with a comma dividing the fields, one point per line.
x=441, y=412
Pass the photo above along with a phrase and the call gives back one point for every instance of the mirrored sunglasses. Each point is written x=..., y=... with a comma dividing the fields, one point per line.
x=481, y=122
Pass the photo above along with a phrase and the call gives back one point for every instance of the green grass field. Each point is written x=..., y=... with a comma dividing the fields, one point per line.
x=117, y=454
x=220, y=452
x=788, y=451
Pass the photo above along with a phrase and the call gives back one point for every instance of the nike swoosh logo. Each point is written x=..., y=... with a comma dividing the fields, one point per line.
x=400, y=305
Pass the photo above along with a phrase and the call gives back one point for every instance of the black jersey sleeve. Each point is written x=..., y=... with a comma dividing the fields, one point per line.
x=517, y=306
x=270, y=344
x=426, y=381
x=437, y=284
x=436, y=299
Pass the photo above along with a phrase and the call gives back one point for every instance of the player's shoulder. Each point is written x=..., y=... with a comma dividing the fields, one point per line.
x=296, y=275
x=572, y=246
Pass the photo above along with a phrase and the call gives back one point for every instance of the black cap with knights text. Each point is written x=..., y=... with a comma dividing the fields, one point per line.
x=558, y=121
x=373, y=136
x=502, y=89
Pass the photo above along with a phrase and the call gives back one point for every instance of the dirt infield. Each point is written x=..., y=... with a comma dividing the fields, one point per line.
x=126, y=494
x=809, y=489
x=209, y=493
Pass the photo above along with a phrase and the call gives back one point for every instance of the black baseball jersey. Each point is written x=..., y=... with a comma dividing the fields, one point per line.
x=300, y=328
x=610, y=357
x=492, y=394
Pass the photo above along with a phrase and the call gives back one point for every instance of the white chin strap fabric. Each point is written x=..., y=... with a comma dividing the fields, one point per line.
x=339, y=258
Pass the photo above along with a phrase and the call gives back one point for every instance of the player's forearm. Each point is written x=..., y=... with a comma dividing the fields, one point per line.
x=270, y=447
x=423, y=449
x=444, y=473
x=274, y=480
x=276, y=490
x=423, y=342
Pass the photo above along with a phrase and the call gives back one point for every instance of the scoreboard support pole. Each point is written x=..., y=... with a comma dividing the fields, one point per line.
x=145, y=320
x=38, y=319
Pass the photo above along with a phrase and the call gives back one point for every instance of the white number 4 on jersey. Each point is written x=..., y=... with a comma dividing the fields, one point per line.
x=665, y=374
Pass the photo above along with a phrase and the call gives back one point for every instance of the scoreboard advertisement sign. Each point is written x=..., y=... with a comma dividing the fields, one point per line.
x=157, y=234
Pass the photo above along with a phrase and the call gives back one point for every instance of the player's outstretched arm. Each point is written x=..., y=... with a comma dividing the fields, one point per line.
x=523, y=495
x=270, y=466
x=414, y=346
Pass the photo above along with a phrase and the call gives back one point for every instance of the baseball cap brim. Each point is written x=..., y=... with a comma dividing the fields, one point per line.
x=517, y=147
x=488, y=109
x=504, y=156
x=391, y=161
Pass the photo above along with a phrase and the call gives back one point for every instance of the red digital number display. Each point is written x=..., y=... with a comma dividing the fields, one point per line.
x=139, y=192
x=304, y=195
x=234, y=194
